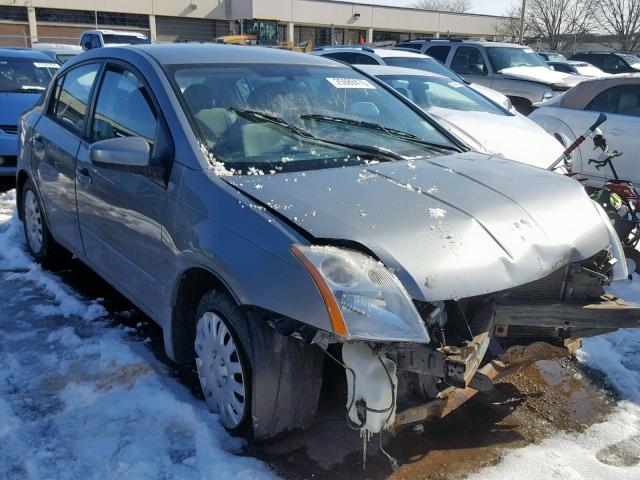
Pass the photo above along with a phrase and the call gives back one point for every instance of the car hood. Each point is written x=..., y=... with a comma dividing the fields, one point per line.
x=14, y=105
x=512, y=137
x=449, y=227
x=543, y=75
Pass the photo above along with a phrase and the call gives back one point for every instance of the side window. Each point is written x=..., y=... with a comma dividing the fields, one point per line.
x=439, y=52
x=468, y=61
x=629, y=100
x=597, y=60
x=605, y=101
x=614, y=62
x=346, y=57
x=70, y=105
x=124, y=108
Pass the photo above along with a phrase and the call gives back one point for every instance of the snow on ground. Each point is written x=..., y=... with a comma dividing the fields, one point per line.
x=79, y=399
x=606, y=451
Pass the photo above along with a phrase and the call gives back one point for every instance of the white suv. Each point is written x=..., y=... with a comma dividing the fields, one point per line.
x=111, y=38
x=514, y=70
x=355, y=55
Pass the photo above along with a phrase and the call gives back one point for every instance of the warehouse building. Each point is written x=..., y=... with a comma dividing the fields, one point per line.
x=24, y=22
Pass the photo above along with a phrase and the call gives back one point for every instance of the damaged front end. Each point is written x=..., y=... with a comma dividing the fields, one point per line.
x=476, y=341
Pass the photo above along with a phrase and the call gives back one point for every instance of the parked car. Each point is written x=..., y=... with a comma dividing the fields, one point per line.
x=577, y=68
x=267, y=208
x=552, y=57
x=516, y=71
x=478, y=122
x=111, y=38
x=610, y=62
x=58, y=51
x=24, y=76
x=355, y=55
x=570, y=114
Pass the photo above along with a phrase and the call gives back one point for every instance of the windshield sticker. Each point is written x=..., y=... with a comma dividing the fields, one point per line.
x=351, y=83
x=46, y=65
x=455, y=84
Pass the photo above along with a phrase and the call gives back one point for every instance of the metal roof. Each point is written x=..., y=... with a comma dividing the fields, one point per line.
x=24, y=53
x=188, y=53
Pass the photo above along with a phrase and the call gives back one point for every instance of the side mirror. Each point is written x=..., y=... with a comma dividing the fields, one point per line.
x=122, y=153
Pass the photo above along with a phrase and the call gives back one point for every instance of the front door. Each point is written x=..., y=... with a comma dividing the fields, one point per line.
x=470, y=64
x=56, y=140
x=121, y=211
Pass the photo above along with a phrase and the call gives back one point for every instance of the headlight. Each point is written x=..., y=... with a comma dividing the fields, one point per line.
x=365, y=301
x=550, y=94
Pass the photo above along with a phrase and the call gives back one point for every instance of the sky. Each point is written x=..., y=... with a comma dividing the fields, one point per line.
x=491, y=7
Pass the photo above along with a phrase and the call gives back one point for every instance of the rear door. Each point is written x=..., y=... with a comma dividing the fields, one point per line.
x=56, y=138
x=120, y=211
x=622, y=106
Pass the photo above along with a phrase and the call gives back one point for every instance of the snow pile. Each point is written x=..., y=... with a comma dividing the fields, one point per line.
x=80, y=399
x=608, y=450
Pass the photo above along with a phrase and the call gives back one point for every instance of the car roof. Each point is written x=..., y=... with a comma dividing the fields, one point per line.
x=483, y=43
x=116, y=32
x=381, y=52
x=198, y=53
x=57, y=47
x=27, y=53
x=396, y=52
x=580, y=95
x=376, y=70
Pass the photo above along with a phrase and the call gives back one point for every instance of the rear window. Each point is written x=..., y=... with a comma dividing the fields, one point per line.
x=439, y=52
x=110, y=38
x=423, y=63
x=25, y=75
x=412, y=46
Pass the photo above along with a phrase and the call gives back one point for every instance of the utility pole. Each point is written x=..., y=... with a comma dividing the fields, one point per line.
x=522, y=11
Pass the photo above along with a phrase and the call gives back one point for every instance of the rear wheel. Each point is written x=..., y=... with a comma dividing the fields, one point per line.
x=633, y=259
x=40, y=243
x=261, y=383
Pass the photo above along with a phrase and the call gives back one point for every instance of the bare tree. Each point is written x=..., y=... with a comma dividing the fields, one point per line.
x=509, y=28
x=559, y=22
x=458, y=6
x=621, y=18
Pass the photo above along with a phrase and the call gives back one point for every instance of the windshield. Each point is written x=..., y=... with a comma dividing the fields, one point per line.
x=25, y=75
x=426, y=63
x=112, y=38
x=430, y=92
x=509, y=57
x=630, y=59
x=295, y=117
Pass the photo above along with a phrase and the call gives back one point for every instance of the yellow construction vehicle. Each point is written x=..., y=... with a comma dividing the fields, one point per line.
x=263, y=32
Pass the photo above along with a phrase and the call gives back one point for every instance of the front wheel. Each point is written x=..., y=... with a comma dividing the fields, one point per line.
x=259, y=382
x=633, y=260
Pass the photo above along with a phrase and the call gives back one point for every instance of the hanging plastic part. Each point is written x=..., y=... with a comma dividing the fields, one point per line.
x=392, y=460
x=371, y=390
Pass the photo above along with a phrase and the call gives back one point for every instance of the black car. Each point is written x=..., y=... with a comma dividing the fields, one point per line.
x=610, y=62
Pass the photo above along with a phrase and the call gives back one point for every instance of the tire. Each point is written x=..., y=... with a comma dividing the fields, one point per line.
x=40, y=243
x=280, y=376
x=633, y=259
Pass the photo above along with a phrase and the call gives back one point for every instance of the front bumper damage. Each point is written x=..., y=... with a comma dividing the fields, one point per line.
x=509, y=330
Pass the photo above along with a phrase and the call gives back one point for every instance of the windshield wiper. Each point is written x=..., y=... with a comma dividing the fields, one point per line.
x=369, y=149
x=258, y=115
x=25, y=89
x=374, y=126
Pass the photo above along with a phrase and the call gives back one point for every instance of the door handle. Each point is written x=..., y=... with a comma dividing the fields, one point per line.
x=83, y=175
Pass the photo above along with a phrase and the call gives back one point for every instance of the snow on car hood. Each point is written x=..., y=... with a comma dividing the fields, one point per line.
x=513, y=137
x=449, y=227
x=543, y=75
